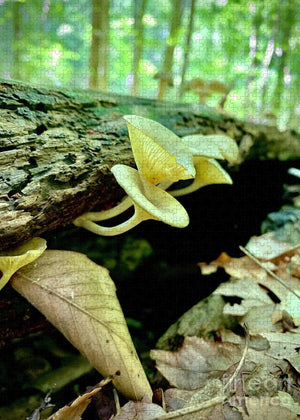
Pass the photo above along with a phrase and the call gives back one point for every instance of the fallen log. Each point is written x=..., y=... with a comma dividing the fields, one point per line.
x=57, y=148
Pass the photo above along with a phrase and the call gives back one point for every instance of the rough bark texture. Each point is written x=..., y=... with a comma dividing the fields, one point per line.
x=57, y=148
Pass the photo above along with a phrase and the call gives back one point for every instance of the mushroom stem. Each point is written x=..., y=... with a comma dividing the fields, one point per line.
x=86, y=222
x=194, y=186
x=208, y=171
x=5, y=278
x=150, y=202
x=124, y=205
x=165, y=185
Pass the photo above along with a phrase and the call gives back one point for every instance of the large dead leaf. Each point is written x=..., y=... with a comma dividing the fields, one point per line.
x=79, y=298
x=195, y=362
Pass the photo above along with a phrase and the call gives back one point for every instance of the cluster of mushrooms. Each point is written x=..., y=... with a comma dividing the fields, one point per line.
x=162, y=158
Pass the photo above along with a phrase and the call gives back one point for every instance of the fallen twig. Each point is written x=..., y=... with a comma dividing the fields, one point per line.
x=248, y=253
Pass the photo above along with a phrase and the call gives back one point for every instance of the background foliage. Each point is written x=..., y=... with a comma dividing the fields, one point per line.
x=251, y=45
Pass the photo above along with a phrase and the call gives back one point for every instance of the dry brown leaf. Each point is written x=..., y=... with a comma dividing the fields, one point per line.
x=76, y=409
x=177, y=398
x=256, y=342
x=250, y=293
x=240, y=268
x=141, y=410
x=208, y=410
x=284, y=346
x=79, y=299
x=195, y=362
x=267, y=247
x=250, y=282
x=245, y=268
x=267, y=408
x=286, y=400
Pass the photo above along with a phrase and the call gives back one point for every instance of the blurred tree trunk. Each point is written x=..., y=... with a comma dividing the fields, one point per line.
x=171, y=44
x=45, y=10
x=187, y=46
x=139, y=11
x=253, y=41
x=266, y=64
x=293, y=119
x=17, y=36
x=286, y=23
x=99, y=45
x=57, y=148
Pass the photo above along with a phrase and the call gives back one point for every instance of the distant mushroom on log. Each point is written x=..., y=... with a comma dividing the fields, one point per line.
x=206, y=88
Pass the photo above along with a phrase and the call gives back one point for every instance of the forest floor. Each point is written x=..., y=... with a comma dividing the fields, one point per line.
x=206, y=360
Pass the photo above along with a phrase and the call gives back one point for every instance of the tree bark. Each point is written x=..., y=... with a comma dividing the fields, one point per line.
x=57, y=148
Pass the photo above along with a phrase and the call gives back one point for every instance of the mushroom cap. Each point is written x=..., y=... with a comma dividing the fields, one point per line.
x=12, y=260
x=216, y=146
x=160, y=155
x=157, y=203
x=209, y=171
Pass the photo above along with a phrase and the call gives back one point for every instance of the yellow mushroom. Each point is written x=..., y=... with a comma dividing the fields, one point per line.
x=12, y=260
x=159, y=154
x=205, y=150
x=215, y=146
x=124, y=205
x=150, y=202
x=163, y=158
x=208, y=171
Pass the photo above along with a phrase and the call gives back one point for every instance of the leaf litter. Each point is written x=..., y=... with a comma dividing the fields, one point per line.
x=250, y=371
x=239, y=375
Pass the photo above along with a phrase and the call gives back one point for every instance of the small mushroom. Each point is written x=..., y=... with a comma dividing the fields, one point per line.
x=160, y=155
x=150, y=202
x=205, y=150
x=12, y=260
x=208, y=171
x=206, y=88
x=162, y=158
x=215, y=146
